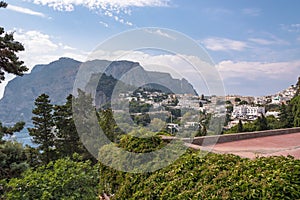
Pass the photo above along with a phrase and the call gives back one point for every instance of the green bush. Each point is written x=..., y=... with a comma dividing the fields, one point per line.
x=62, y=179
x=213, y=177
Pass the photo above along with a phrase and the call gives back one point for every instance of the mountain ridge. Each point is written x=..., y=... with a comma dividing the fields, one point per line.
x=57, y=78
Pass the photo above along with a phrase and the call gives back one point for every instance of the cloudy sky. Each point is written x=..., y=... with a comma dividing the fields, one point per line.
x=254, y=44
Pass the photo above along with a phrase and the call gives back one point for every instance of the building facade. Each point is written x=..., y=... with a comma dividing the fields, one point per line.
x=246, y=111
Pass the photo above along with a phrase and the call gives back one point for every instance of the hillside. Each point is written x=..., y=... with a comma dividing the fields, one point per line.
x=57, y=79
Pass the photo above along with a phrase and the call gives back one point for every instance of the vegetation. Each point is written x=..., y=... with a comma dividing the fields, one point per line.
x=9, y=61
x=260, y=124
x=213, y=176
x=63, y=179
x=4, y=130
x=43, y=133
x=61, y=168
x=13, y=160
x=26, y=174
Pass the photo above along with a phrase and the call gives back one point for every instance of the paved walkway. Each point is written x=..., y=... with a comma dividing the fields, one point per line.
x=287, y=144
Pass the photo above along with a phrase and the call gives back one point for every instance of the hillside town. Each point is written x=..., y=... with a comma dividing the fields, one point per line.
x=150, y=103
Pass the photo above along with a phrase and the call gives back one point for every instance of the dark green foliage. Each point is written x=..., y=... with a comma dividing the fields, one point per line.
x=272, y=107
x=10, y=130
x=108, y=125
x=298, y=87
x=202, y=131
x=12, y=160
x=237, y=100
x=243, y=102
x=212, y=177
x=43, y=130
x=240, y=126
x=294, y=106
x=133, y=143
x=228, y=102
x=273, y=123
x=284, y=117
x=3, y=4
x=261, y=123
x=229, y=108
x=33, y=156
x=137, y=107
x=9, y=61
x=67, y=141
x=62, y=179
x=112, y=180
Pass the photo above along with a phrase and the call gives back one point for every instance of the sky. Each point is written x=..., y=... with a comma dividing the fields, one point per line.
x=254, y=44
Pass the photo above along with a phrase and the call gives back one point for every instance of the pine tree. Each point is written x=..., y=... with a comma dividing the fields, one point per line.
x=284, y=117
x=43, y=131
x=67, y=137
x=9, y=61
x=10, y=130
x=87, y=123
x=68, y=141
x=108, y=125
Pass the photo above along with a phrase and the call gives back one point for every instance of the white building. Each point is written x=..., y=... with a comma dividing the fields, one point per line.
x=274, y=113
x=246, y=111
x=276, y=100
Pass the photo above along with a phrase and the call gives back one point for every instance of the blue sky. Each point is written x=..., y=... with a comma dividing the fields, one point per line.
x=255, y=44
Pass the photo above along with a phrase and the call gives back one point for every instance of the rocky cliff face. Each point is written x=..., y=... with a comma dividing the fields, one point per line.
x=57, y=79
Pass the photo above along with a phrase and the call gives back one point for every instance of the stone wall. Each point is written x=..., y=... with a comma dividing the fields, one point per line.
x=209, y=140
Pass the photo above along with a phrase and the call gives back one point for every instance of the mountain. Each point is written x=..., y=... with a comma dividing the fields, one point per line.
x=57, y=80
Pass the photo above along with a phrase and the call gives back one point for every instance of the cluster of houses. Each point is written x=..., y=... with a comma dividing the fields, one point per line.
x=251, y=110
x=278, y=98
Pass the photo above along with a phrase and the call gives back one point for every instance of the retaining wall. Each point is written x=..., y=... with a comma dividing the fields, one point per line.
x=209, y=140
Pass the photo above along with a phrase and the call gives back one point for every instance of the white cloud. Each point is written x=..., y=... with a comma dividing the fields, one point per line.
x=254, y=12
x=129, y=23
x=24, y=10
x=111, y=8
x=291, y=27
x=35, y=42
x=104, y=24
x=40, y=48
x=112, y=5
x=161, y=33
x=224, y=44
x=272, y=41
x=117, y=18
x=262, y=70
x=261, y=41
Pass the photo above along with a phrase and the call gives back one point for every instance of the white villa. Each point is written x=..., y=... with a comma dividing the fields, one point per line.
x=246, y=111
